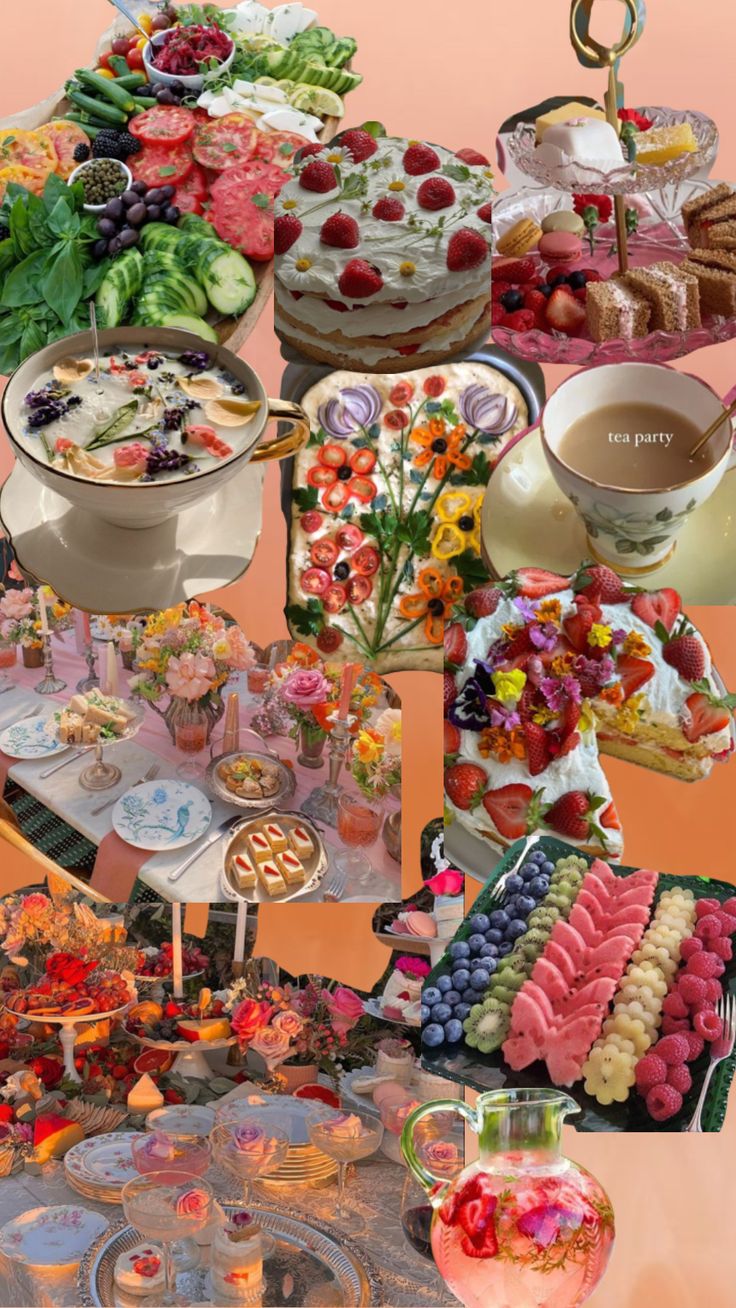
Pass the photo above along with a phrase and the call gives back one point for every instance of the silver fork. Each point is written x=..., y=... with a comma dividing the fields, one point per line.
x=334, y=888
x=152, y=772
x=726, y=1009
x=499, y=889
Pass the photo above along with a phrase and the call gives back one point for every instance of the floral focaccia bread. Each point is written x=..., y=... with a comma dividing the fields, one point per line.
x=385, y=506
x=543, y=674
x=383, y=253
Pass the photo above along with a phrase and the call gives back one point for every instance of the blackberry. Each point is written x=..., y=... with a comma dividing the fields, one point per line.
x=112, y=144
x=81, y=152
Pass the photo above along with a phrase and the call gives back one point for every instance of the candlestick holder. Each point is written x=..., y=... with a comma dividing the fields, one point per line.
x=321, y=804
x=49, y=684
x=91, y=680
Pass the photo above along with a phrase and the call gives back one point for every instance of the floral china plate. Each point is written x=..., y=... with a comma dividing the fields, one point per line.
x=51, y=1237
x=33, y=738
x=103, y=1160
x=162, y=815
x=527, y=521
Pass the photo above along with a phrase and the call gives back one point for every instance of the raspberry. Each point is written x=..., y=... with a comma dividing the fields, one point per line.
x=663, y=1101
x=690, y=946
x=675, y=1025
x=705, y=906
x=696, y=1043
x=498, y=289
x=419, y=158
x=650, y=1070
x=708, y=927
x=485, y=213
x=691, y=989
x=360, y=144
x=359, y=280
x=713, y=990
x=286, y=230
x=708, y=1024
x=435, y=193
x=674, y=1005
x=728, y=923
x=498, y=315
x=679, y=1077
x=388, y=209
x=467, y=249
x=318, y=176
x=705, y=964
x=722, y=947
x=471, y=156
x=673, y=1049
x=340, y=231
x=729, y=906
x=522, y=320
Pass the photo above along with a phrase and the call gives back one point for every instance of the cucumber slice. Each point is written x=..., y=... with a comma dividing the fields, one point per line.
x=188, y=322
x=229, y=283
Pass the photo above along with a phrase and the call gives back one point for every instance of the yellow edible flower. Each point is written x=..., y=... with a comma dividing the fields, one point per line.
x=587, y=717
x=509, y=685
x=599, y=635
x=627, y=717
x=542, y=716
x=367, y=747
x=636, y=645
x=550, y=610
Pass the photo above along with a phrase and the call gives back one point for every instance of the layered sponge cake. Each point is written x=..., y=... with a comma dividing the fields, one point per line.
x=544, y=674
x=383, y=253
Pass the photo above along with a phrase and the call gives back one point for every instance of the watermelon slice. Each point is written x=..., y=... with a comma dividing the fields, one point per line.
x=569, y=1046
x=547, y=975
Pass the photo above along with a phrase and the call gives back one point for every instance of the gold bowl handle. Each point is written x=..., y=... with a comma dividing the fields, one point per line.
x=281, y=447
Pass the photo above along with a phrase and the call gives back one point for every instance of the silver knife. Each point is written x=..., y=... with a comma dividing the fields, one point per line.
x=152, y=772
x=214, y=836
x=58, y=766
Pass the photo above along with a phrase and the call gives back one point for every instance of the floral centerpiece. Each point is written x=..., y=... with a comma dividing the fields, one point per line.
x=310, y=689
x=376, y=755
x=20, y=618
x=32, y=924
x=188, y=653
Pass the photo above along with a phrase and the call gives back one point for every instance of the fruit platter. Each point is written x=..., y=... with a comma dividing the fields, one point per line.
x=146, y=185
x=157, y=965
x=383, y=503
x=609, y=982
x=186, y=1029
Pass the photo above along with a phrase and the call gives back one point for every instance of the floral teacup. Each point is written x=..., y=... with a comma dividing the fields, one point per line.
x=635, y=531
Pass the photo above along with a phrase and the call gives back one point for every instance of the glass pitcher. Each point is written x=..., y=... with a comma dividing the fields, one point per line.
x=523, y=1226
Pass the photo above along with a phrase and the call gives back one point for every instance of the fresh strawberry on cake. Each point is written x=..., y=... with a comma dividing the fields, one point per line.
x=544, y=673
x=383, y=252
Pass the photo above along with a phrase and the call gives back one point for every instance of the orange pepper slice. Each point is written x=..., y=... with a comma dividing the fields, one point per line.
x=441, y=465
x=453, y=588
x=422, y=436
x=437, y=427
x=421, y=459
x=430, y=582
x=434, y=628
x=413, y=606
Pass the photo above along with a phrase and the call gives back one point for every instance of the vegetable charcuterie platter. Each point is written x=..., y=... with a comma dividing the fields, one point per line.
x=147, y=183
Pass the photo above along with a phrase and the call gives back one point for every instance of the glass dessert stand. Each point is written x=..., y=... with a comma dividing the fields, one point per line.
x=190, y=1056
x=69, y=1025
x=99, y=774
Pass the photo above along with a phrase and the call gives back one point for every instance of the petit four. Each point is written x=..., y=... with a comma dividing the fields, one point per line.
x=270, y=878
x=245, y=873
x=659, y=145
x=672, y=295
x=583, y=140
x=275, y=837
x=519, y=239
x=291, y=867
x=301, y=842
x=140, y=1270
x=259, y=846
x=563, y=114
x=382, y=252
x=395, y=1059
x=237, y=1261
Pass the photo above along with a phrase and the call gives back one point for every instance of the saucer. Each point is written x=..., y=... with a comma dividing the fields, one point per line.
x=105, y=569
x=527, y=522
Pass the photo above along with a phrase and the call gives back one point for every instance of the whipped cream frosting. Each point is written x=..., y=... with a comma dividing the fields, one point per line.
x=381, y=320
x=362, y=354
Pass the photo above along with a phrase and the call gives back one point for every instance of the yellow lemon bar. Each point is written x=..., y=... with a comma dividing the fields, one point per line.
x=660, y=144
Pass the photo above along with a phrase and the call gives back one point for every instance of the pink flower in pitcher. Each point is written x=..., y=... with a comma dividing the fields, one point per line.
x=441, y=1156
x=346, y=1008
x=191, y=676
x=449, y=882
x=17, y=604
x=248, y=1018
x=240, y=652
x=273, y=1045
x=306, y=687
x=289, y=1022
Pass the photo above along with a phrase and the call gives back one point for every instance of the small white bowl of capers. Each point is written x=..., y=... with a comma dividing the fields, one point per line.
x=103, y=180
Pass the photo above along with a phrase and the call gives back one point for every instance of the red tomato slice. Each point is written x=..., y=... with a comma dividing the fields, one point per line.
x=311, y=521
x=315, y=581
x=336, y=496
x=324, y=553
x=224, y=142
x=335, y=598
x=250, y=178
x=363, y=489
x=320, y=476
x=367, y=560
x=348, y=536
x=333, y=456
x=359, y=588
x=161, y=165
x=329, y=639
x=363, y=460
x=192, y=192
x=162, y=124
x=244, y=218
x=277, y=147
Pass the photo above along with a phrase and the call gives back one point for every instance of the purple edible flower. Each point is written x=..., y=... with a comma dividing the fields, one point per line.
x=525, y=607
x=543, y=635
x=470, y=710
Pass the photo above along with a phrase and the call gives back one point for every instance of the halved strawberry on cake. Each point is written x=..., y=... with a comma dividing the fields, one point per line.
x=543, y=674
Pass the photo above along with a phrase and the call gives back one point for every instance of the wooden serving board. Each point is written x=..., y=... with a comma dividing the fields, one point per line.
x=232, y=332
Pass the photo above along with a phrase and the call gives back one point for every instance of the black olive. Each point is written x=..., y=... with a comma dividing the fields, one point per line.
x=106, y=227
x=154, y=212
x=439, y=446
x=344, y=473
x=114, y=208
x=114, y=245
x=342, y=571
x=99, y=249
x=140, y=188
x=436, y=607
x=136, y=214
x=155, y=196
x=171, y=214
x=168, y=190
x=128, y=237
x=166, y=96
x=130, y=197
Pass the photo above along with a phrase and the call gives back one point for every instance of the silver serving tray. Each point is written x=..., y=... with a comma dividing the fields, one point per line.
x=265, y=803
x=315, y=866
x=326, y=1268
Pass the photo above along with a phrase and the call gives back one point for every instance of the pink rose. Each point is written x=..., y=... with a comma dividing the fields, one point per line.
x=441, y=1157
x=191, y=676
x=17, y=604
x=248, y=1018
x=449, y=882
x=345, y=1008
x=241, y=653
x=306, y=687
x=132, y=459
x=192, y=1203
x=273, y=1045
x=252, y=1141
x=289, y=1022
x=35, y=903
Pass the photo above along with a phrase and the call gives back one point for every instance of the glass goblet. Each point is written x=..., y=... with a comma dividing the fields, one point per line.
x=346, y=1137
x=170, y=1154
x=359, y=822
x=248, y=1150
x=164, y=1212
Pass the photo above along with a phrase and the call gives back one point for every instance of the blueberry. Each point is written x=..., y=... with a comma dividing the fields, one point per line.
x=505, y=948
x=490, y=964
x=538, y=856
x=433, y=1035
x=459, y=949
x=462, y=1011
x=444, y=983
x=453, y=1030
x=509, y=906
x=479, y=979
x=545, y=289
x=476, y=943
x=471, y=997
x=489, y=951
x=514, y=885
x=513, y=931
x=424, y=1014
x=547, y=868
x=452, y=997
x=498, y=919
x=559, y=280
x=460, y=979
x=538, y=887
x=577, y=279
x=512, y=300
x=441, y=1013
x=526, y=904
x=431, y=995
x=479, y=922
x=494, y=936
x=528, y=872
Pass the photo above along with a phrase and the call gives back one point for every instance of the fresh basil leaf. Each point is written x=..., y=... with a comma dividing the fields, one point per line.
x=23, y=284
x=62, y=284
x=93, y=277
x=56, y=189
x=19, y=228
x=11, y=329
x=33, y=338
x=9, y=358
x=62, y=221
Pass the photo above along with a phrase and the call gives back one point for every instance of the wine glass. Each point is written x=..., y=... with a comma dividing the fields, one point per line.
x=248, y=1150
x=190, y=737
x=346, y=1137
x=358, y=826
x=165, y=1212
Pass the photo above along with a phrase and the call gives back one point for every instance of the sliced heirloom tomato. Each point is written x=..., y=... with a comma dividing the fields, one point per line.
x=363, y=461
x=221, y=143
x=161, y=165
x=324, y=553
x=162, y=124
x=191, y=193
x=329, y=639
x=335, y=598
x=366, y=560
x=277, y=147
x=315, y=581
x=348, y=536
x=358, y=589
x=311, y=521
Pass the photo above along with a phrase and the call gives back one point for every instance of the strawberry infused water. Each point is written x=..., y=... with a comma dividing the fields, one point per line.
x=522, y=1227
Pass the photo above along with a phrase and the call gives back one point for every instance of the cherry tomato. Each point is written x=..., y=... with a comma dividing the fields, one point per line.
x=333, y=456
x=321, y=476
x=358, y=589
x=134, y=60
x=335, y=598
x=104, y=60
x=367, y=560
x=311, y=521
x=363, y=460
x=401, y=393
x=324, y=553
x=120, y=46
x=329, y=639
x=336, y=496
x=363, y=489
x=106, y=72
x=348, y=536
x=315, y=581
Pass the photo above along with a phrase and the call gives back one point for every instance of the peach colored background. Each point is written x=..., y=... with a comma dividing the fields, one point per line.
x=452, y=73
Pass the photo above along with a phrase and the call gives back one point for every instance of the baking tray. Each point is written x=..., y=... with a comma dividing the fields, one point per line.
x=489, y=1071
x=315, y=866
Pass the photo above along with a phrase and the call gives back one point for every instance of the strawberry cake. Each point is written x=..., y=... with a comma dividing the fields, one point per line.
x=383, y=252
x=543, y=674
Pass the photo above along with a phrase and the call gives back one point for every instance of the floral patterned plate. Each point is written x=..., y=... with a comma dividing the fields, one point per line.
x=162, y=815
x=104, y=1160
x=51, y=1237
x=33, y=738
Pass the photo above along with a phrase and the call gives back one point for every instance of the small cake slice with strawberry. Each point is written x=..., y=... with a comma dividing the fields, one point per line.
x=544, y=674
x=140, y=1270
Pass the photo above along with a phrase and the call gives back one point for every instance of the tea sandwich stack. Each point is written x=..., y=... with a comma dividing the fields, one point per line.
x=715, y=271
x=710, y=219
x=672, y=294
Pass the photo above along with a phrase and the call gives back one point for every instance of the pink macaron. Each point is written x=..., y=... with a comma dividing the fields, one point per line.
x=560, y=247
